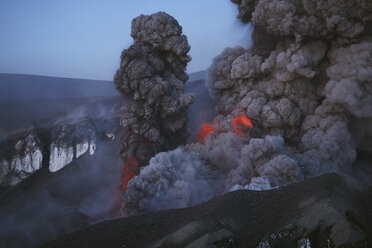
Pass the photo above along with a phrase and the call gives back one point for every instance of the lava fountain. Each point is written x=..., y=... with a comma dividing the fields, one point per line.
x=239, y=125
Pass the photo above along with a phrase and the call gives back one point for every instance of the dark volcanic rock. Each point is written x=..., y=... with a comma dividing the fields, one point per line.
x=328, y=211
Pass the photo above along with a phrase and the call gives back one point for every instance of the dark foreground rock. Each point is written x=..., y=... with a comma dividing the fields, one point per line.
x=328, y=211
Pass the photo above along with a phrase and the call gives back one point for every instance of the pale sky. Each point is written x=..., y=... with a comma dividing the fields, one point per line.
x=84, y=38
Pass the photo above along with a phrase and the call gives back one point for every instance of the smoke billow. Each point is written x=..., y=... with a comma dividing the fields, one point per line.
x=152, y=74
x=306, y=86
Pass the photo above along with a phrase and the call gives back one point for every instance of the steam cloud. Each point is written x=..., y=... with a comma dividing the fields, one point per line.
x=152, y=74
x=305, y=84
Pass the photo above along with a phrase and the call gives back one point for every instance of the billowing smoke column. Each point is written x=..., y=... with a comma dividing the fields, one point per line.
x=306, y=79
x=152, y=75
x=304, y=85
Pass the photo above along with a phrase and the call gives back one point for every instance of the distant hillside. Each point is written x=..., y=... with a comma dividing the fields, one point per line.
x=14, y=87
x=33, y=100
x=199, y=75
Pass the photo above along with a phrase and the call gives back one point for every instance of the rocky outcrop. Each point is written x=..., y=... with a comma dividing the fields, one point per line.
x=19, y=158
x=69, y=142
x=53, y=148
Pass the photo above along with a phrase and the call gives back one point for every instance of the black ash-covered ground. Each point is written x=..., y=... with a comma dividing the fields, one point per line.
x=250, y=217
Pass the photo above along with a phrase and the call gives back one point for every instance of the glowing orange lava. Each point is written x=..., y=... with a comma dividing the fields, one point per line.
x=204, y=131
x=131, y=167
x=240, y=124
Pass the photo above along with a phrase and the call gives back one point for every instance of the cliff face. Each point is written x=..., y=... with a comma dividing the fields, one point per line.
x=20, y=158
x=52, y=147
x=69, y=142
x=47, y=122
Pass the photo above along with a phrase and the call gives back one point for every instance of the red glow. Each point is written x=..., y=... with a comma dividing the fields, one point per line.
x=240, y=124
x=131, y=166
x=204, y=131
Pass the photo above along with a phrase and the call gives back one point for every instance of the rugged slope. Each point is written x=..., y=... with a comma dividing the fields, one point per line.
x=47, y=205
x=22, y=86
x=56, y=141
x=328, y=211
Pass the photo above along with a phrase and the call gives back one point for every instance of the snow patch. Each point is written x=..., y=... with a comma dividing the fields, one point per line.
x=60, y=157
x=92, y=147
x=82, y=148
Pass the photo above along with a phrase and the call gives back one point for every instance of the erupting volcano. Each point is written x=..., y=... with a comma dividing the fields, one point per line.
x=264, y=148
x=305, y=83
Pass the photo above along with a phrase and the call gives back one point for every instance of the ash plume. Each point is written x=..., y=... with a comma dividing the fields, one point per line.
x=311, y=86
x=306, y=86
x=152, y=75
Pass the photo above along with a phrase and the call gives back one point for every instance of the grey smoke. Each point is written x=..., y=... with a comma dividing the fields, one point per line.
x=305, y=84
x=152, y=75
